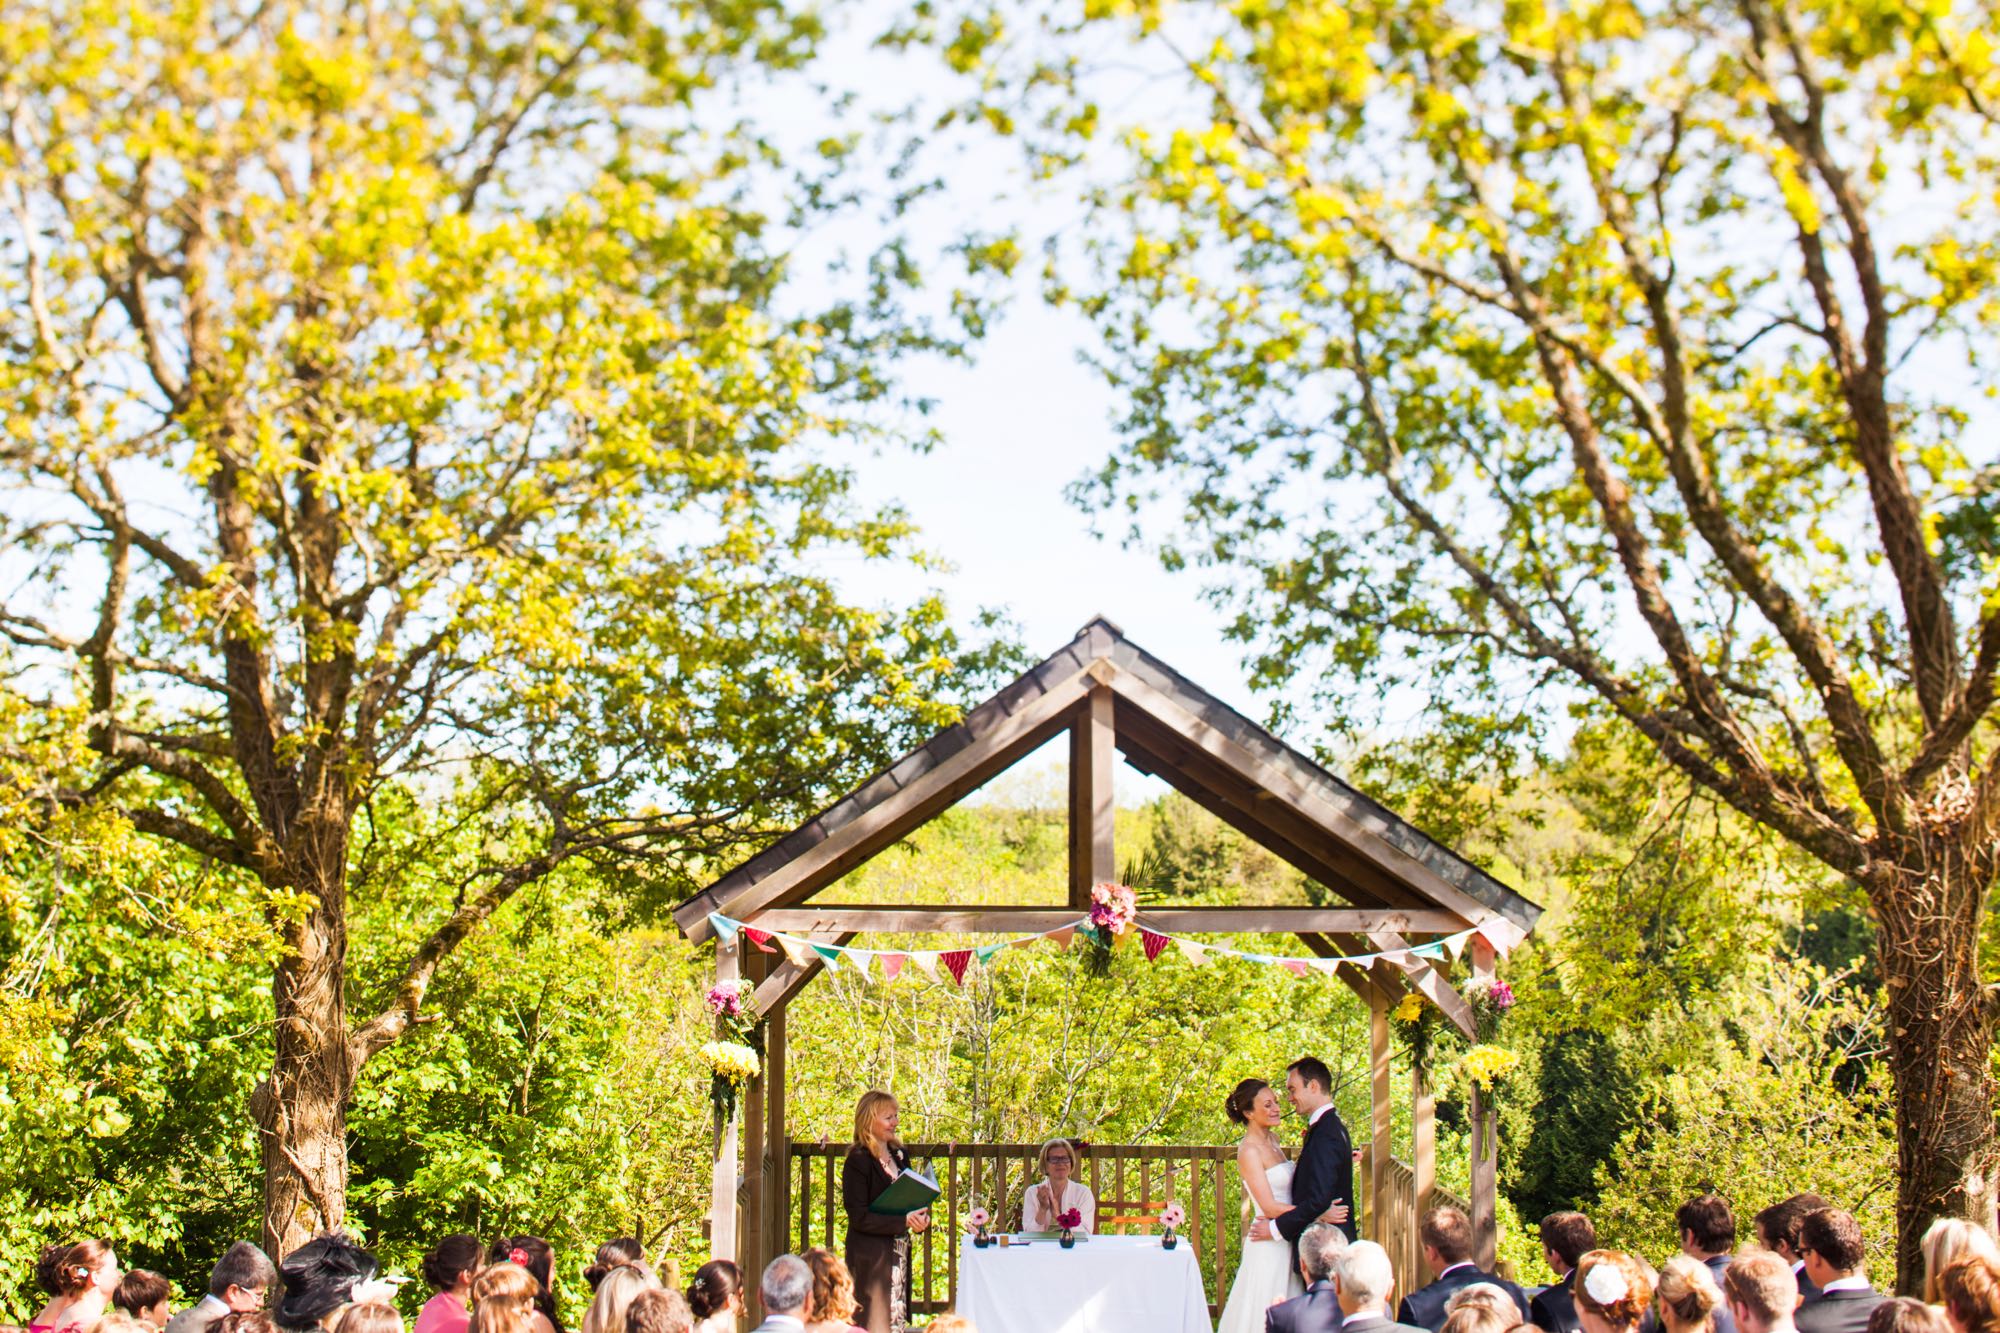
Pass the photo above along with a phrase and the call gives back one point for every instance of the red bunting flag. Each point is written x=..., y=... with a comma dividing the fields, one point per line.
x=1156, y=943
x=760, y=938
x=955, y=961
x=1296, y=966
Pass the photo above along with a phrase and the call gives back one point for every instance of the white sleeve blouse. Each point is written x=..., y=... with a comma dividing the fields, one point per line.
x=1076, y=1195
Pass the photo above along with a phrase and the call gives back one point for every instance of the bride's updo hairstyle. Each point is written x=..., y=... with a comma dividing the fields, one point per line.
x=1243, y=1098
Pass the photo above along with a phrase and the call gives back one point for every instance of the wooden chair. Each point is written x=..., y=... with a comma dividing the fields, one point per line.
x=1129, y=1213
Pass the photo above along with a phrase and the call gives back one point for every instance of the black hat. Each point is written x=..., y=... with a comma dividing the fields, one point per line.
x=319, y=1277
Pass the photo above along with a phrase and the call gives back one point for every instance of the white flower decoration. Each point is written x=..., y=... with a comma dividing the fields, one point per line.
x=1607, y=1284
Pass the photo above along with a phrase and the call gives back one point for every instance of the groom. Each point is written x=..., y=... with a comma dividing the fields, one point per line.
x=1325, y=1173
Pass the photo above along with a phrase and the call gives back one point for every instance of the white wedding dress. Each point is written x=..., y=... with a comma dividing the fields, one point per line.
x=1265, y=1273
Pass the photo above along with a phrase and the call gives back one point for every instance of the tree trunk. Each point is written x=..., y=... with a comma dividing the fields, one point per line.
x=301, y=1109
x=1927, y=941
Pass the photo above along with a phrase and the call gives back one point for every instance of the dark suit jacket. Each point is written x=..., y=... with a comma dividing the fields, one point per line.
x=1839, y=1312
x=1806, y=1287
x=1315, y=1312
x=1554, y=1308
x=1425, y=1307
x=1720, y=1320
x=1325, y=1172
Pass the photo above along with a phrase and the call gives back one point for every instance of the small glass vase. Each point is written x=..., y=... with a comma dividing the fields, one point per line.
x=980, y=1240
x=1067, y=1240
x=1168, y=1241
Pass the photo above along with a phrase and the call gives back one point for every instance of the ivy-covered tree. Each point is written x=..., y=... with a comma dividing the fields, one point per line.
x=404, y=392
x=1624, y=358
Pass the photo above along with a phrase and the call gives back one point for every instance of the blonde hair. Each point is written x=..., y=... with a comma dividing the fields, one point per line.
x=1949, y=1240
x=950, y=1323
x=1688, y=1294
x=616, y=1291
x=1075, y=1157
x=833, y=1288
x=865, y=1112
x=369, y=1317
x=503, y=1300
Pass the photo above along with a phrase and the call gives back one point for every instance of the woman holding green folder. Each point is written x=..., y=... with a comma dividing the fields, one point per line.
x=878, y=1244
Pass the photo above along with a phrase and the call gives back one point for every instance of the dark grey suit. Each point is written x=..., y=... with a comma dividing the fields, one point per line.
x=1374, y=1321
x=1839, y=1312
x=197, y=1318
x=1315, y=1312
x=1425, y=1306
x=1554, y=1308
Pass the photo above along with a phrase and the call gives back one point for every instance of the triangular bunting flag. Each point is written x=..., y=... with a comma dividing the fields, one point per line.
x=830, y=954
x=1296, y=966
x=760, y=938
x=1455, y=944
x=725, y=929
x=986, y=951
x=1061, y=938
x=892, y=963
x=1154, y=942
x=857, y=960
x=1502, y=934
x=1194, y=951
x=797, y=950
x=926, y=962
x=1325, y=966
x=955, y=961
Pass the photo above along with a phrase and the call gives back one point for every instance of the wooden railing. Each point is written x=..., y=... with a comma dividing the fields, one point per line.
x=1122, y=1177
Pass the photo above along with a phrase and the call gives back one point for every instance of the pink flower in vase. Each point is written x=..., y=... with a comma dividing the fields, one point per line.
x=1070, y=1219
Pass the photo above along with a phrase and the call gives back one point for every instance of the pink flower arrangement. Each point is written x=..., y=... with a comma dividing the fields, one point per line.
x=1070, y=1219
x=726, y=999
x=1114, y=908
x=1502, y=995
x=1173, y=1216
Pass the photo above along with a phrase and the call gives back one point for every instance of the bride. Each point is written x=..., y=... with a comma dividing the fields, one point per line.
x=1266, y=1272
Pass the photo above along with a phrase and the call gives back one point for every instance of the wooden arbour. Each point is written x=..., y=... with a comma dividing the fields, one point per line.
x=1400, y=889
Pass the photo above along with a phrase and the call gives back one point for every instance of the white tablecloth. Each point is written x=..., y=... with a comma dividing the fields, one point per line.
x=1107, y=1284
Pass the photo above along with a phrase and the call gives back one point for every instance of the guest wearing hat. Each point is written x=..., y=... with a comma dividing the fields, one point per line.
x=320, y=1279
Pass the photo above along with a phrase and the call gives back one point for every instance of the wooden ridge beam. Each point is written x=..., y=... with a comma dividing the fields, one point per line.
x=1171, y=920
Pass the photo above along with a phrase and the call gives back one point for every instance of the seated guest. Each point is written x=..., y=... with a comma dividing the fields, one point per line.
x=1363, y=1279
x=1566, y=1238
x=320, y=1279
x=1318, y=1310
x=1760, y=1292
x=613, y=1254
x=1778, y=1232
x=832, y=1307
x=1613, y=1292
x=1708, y=1233
x=538, y=1257
x=1906, y=1314
x=716, y=1296
x=1446, y=1234
x=503, y=1300
x=1485, y=1296
x=616, y=1290
x=143, y=1294
x=245, y=1321
x=659, y=1310
x=1058, y=1192
x=786, y=1289
x=1478, y=1317
x=79, y=1279
x=238, y=1284
x=450, y=1268
x=1971, y=1292
x=1949, y=1240
x=1687, y=1296
x=1830, y=1243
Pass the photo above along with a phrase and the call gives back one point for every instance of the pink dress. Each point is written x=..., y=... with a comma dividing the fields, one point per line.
x=443, y=1313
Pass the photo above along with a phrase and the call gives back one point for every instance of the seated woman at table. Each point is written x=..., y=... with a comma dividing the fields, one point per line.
x=1058, y=1192
x=878, y=1245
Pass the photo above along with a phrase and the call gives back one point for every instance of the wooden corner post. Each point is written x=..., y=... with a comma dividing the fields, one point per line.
x=1380, y=1123
x=1485, y=1143
x=1092, y=806
x=722, y=1183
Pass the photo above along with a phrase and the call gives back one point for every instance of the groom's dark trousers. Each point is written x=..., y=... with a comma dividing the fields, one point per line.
x=1325, y=1172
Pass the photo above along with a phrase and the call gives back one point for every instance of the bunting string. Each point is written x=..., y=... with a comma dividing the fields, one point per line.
x=1498, y=932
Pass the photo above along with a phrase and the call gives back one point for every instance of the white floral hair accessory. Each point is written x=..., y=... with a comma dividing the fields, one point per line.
x=1607, y=1284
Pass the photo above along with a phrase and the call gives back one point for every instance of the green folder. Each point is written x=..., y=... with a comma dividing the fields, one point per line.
x=907, y=1193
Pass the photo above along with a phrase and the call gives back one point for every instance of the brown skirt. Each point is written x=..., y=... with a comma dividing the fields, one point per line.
x=881, y=1268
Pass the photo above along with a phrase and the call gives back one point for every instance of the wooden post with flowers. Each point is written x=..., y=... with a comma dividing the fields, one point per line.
x=1485, y=1124
x=733, y=1061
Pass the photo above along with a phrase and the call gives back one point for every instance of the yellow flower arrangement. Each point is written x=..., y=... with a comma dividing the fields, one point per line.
x=731, y=1060
x=1487, y=1064
x=1411, y=1008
